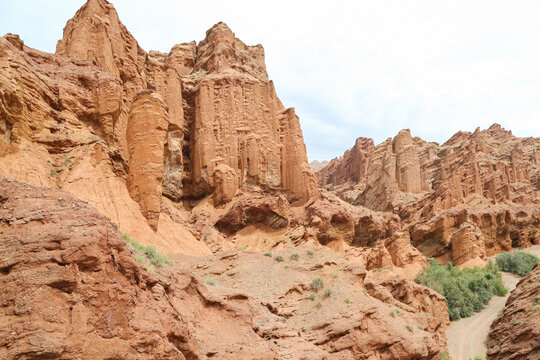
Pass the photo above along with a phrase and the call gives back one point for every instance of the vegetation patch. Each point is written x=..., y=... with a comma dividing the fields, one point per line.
x=317, y=284
x=517, y=262
x=147, y=255
x=465, y=290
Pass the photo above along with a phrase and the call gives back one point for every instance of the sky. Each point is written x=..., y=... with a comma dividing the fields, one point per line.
x=353, y=68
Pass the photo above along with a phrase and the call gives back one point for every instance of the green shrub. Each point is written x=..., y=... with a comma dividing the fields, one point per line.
x=443, y=356
x=348, y=300
x=479, y=357
x=310, y=252
x=279, y=258
x=466, y=290
x=240, y=248
x=421, y=327
x=517, y=262
x=268, y=253
x=409, y=327
x=311, y=297
x=149, y=251
x=210, y=282
x=295, y=256
x=328, y=292
x=317, y=284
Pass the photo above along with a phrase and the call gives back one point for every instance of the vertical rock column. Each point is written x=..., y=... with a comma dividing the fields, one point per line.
x=146, y=135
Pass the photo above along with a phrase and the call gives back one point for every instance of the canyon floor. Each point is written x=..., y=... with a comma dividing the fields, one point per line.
x=467, y=337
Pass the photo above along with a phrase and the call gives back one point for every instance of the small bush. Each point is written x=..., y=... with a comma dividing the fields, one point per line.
x=479, y=357
x=517, y=262
x=310, y=252
x=409, y=327
x=319, y=304
x=268, y=253
x=53, y=172
x=283, y=319
x=149, y=251
x=348, y=300
x=395, y=311
x=67, y=161
x=535, y=307
x=311, y=297
x=443, y=356
x=466, y=290
x=317, y=284
x=210, y=282
x=279, y=258
x=421, y=327
x=364, y=290
x=328, y=292
x=295, y=256
x=240, y=248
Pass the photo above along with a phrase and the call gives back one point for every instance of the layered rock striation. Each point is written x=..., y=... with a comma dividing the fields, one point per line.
x=477, y=194
x=202, y=121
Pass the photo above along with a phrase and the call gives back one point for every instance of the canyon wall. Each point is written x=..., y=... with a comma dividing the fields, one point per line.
x=473, y=196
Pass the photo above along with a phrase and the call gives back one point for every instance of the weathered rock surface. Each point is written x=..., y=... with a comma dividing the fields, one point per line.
x=352, y=167
x=83, y=120
x=516, y=333
x=348, y=323
x=146, y=134
x=72, y=289
x=469, y=198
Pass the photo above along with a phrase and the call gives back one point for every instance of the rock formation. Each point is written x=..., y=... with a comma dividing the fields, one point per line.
x=202, y=121
x=349, y=321
x=72, y=289
x=515, y=334
x=474, y=196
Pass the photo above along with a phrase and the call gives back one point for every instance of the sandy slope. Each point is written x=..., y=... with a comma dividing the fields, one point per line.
x=466, y=337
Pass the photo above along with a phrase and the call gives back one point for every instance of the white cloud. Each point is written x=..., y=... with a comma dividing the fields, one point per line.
x=354, y=68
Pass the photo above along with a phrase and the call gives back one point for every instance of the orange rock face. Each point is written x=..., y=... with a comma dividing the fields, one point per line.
x=516, y=334
x=72, y=289
x=472, y=197
x=218, y=127
x=146, y=135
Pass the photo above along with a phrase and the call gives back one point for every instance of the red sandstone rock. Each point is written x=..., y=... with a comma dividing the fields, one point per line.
x=146, y=134
x=72, y=289
x=516, y=333
x=350, y=168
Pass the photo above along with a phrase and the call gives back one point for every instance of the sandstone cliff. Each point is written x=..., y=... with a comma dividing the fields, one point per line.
x=72, y=289
x=138, y=134
x=474, y=196
x=515, y=334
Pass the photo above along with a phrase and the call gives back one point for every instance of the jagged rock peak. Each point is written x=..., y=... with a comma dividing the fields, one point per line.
x=221, y=52
x=96, y=33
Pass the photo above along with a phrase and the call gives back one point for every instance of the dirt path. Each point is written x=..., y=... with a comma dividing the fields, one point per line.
x=466, y=337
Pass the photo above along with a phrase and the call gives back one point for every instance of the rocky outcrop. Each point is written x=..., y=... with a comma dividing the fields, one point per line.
x=229, y=93
x=515, y=334
x=487, y=179
x=72, y=289
x=352, y=167
x=464, y=234
x=344, y=322
x=270, y=211
x=83, y=119
x=146, y=134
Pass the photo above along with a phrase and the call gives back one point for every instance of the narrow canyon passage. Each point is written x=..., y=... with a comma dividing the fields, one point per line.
x=467, y=337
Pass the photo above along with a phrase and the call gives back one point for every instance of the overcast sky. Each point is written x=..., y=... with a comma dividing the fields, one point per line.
x=353, y=68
